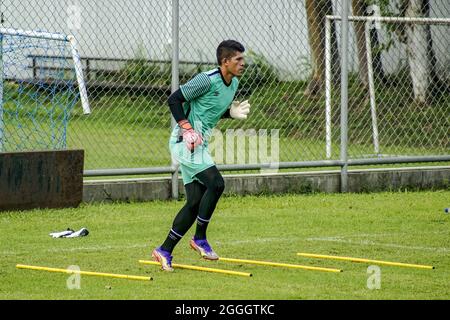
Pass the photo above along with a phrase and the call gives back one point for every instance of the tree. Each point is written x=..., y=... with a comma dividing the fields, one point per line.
x=419, y=45
x=316, y=10
x=420, y=53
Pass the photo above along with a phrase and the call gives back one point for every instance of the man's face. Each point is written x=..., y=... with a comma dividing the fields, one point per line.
x=236, y=64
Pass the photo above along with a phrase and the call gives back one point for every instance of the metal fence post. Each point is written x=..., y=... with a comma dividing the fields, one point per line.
x=175, y=81
x=344, y=97
x=328, y=76
x=1, y=93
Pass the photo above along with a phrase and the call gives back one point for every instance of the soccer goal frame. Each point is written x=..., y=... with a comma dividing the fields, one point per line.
x=368, y=20
x=70, y=39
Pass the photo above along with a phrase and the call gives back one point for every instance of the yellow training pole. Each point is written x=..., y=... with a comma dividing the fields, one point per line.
x=387, y=263
x=189, y=267
x=276, y=264
x=87, y=273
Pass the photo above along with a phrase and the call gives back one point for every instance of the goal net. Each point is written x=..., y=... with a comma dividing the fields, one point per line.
x=40, y=83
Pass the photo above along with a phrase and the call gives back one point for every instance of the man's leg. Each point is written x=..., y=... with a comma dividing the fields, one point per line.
x=186, y=216
x=181, y=224
x=213, y=181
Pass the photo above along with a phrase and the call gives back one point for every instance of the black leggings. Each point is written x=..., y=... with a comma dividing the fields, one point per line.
x=201, y=199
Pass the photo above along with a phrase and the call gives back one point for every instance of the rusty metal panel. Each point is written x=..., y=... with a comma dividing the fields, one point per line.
x=41, y=179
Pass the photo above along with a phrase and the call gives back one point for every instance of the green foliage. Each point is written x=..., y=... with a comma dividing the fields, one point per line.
x=394, y=31
x=25, y=101
x=258, y=72
x=140, y=70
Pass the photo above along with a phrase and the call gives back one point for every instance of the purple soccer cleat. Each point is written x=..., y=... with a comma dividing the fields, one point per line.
x=164, y=258
x=203, y=247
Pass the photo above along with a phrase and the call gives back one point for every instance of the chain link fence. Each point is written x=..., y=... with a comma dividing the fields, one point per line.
x=399, y=76
x=399, y=80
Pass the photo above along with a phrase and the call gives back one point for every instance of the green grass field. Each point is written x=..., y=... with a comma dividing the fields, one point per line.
x=406, y=227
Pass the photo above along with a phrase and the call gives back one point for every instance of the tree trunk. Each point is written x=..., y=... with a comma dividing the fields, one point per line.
x=421, y=57
x=376, y=55
x=316, y=11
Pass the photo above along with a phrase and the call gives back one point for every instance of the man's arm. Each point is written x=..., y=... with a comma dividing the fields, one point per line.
x=191, y=138
x=191, y=90
x=175, y=101
x=226, y=115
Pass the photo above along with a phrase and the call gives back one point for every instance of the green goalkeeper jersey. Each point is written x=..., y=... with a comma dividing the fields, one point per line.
x=207, y=99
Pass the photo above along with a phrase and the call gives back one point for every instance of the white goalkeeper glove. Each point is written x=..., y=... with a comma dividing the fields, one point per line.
x=240, y=110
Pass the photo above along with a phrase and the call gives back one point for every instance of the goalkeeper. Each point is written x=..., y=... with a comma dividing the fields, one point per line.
x=197, y=107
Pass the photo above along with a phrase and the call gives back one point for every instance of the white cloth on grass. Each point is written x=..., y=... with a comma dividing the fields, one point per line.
x=80, y=233
x=69, y=233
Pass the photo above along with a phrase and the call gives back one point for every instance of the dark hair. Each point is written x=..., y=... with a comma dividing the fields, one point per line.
x=227, y=49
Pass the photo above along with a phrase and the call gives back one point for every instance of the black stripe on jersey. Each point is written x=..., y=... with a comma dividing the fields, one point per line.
x=214, y=72
x=221, y=75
